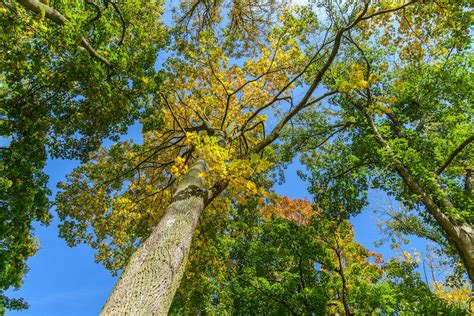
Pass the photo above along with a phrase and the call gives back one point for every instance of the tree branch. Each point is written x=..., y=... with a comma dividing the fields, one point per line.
x=172, y=113
x=53, y=15
x=389, y=10
x=453, y=155
x=317, y=80
x=469, y=181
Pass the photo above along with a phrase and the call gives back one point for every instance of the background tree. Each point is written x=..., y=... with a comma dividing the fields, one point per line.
x=72, y=73
x=288, y=258
x=407, y=100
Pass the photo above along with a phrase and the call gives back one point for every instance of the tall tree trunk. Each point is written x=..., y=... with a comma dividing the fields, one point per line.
x=151, y=278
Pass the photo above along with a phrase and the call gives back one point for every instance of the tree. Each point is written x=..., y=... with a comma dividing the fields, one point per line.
x=412, y=295
x=138, y=205
x=407, y=104
x=72, y=74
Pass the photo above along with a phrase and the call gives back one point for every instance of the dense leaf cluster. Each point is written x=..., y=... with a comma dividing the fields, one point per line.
x=245, y=264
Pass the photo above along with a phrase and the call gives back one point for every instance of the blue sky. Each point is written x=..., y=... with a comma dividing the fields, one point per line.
x=62, y=280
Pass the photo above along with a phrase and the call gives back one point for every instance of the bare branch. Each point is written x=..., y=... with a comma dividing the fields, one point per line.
x=319, y=77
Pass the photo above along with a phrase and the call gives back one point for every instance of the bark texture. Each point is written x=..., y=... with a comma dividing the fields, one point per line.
x=151, y=278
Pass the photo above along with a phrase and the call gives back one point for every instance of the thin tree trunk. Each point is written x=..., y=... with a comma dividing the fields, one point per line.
x=337, y=250
x=461, y=234
x=151, y=278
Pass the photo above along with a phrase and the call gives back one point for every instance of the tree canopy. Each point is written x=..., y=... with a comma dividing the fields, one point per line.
x=368, y=94
x=401, y=107
x=290, y=259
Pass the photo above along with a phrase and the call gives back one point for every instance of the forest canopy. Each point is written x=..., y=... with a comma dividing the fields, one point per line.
x=365, y=94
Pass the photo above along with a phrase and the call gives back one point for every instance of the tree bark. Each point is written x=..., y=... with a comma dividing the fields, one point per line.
x=151, y=278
